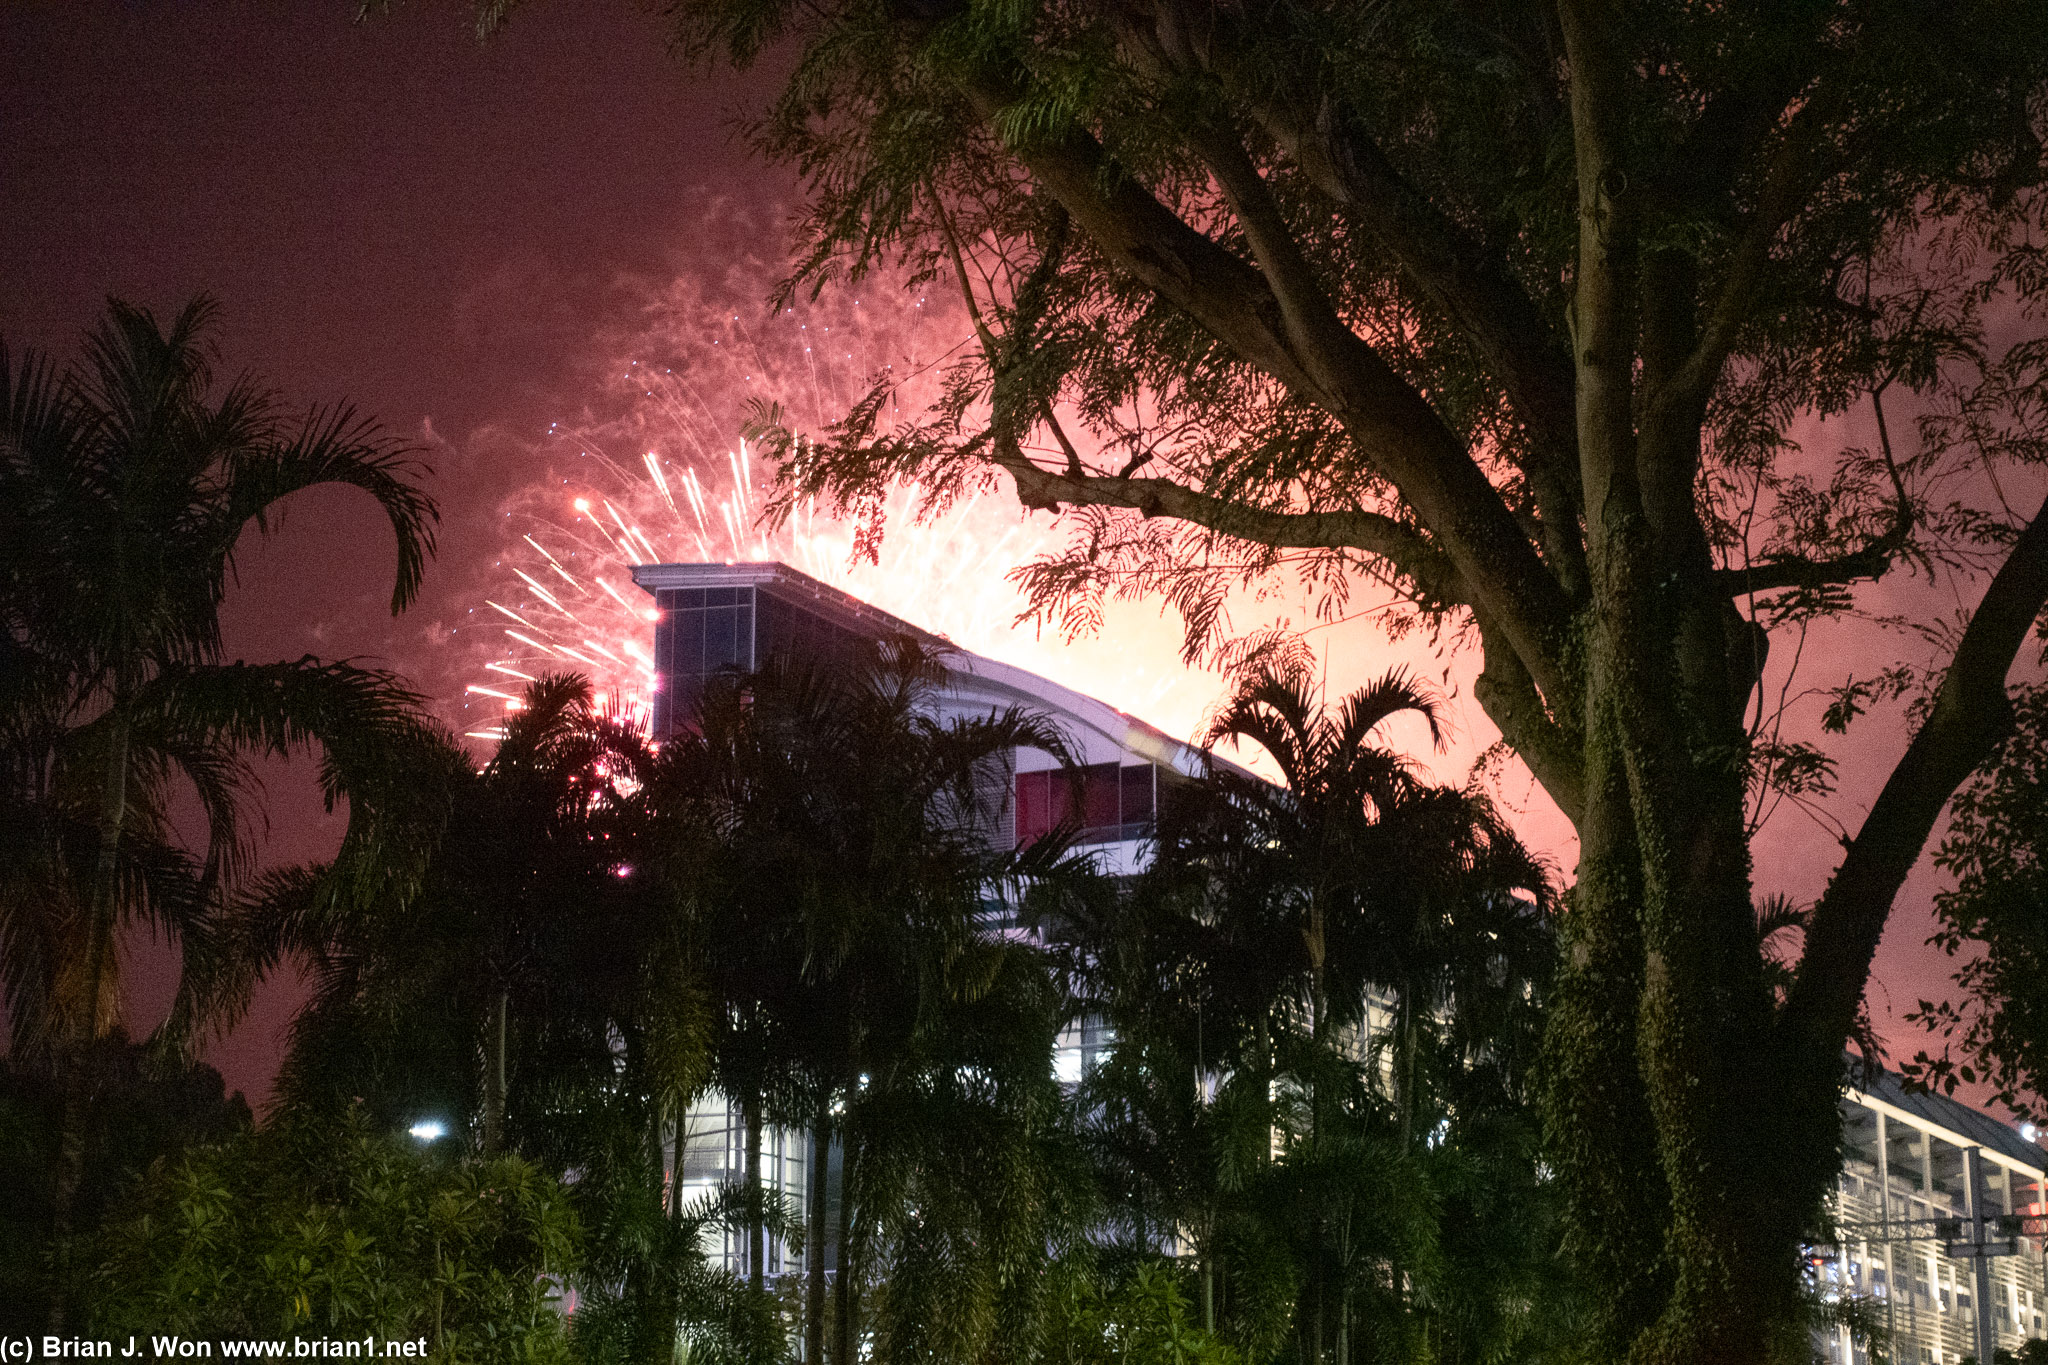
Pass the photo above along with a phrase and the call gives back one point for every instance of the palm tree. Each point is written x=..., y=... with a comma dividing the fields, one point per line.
x=521, y=951
x=1337, y=783
x=537, y=989
x=1271, y=919
x=126, y=482
x=834, y=837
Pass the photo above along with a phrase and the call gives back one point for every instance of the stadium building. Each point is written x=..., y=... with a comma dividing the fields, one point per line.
x=718, y=616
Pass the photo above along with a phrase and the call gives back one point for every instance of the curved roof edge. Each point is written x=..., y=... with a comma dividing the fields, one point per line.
x=978, y=675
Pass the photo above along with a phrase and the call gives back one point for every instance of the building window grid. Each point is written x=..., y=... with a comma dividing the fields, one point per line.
x=1115, y=802
x=1929, y=1298
x=715, y=1154
x=700, y=631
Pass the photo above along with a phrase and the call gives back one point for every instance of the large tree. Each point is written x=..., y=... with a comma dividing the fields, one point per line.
x=1511, y=307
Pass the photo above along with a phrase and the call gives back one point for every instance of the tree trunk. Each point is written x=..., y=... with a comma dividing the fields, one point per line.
x=845, y=1295
x=69, y=1175
x=757, y=1231
x=1404, y=1067
x=1688, y=1190
x=814, y=1258
x=1208, y=1293
x=87, y=1010
x=1316, y=1329
x=494, y=1074
x=675, y=1171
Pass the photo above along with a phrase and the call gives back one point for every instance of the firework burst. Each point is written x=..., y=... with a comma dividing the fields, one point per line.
x=663, y=482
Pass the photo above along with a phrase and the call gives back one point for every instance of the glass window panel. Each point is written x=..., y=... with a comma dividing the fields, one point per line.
x=721, y=597
x=690, y=643
x=1034, y=806
x=771, y=628
x=1100, y=793
x=664, y=644
x=743, y=637
x=1136, y=802
x=719, y=644
x=1169, y=786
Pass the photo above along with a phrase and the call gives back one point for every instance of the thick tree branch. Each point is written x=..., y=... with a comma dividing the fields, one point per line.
x=1440, y=257
x=1795, y=571
x=1508, y=696
x=1390, y=422
x=1411, y=555
x=1971, y=714
x=1786, y=185
x=1491, y=309
x=1408, y=550
x=1488, y=306
x=1603, y=296
x=1445, y=263
x=1738, y=120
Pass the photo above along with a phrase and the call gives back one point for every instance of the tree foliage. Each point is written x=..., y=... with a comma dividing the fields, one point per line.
x=1995, y=917
x=1515, y=310
x=142, y=1111
x=334, y=1231
x=831, y=835
x=127, y=480
x=1324, y=999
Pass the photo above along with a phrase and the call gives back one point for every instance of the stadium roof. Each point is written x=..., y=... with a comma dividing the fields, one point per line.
x=1940, y=1111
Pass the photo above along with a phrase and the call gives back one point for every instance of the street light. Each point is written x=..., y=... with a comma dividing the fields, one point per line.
x=429, y=1130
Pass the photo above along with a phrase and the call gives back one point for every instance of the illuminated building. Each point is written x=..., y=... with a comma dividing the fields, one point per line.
x=736, y=616
x=1928, y=1187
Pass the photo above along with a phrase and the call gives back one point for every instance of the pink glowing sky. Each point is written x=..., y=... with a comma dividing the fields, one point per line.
x=475, y=243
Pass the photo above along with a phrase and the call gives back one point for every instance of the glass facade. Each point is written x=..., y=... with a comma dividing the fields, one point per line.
x=700, y=632
x=714, y=1158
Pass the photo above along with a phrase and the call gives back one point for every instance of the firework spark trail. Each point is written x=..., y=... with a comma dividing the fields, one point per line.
x=657, y=484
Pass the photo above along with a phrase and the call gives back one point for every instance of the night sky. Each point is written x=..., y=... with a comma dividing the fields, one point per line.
x=389, y=213
x=437, y=231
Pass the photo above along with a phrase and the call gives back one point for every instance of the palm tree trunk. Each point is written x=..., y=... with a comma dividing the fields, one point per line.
x=814, y=1260
x=1317, y=1355
x=69, y=1175
x=1208, y=1293
x=845, y=1303
x=1344, y=1326
x=675, y=1175
x=1404, y=1080
x=757, y=1232
x=494, y=1076
x=81, y=1029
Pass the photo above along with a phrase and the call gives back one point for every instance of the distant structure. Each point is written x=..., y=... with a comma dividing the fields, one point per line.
x=1942, y=1229
x=718, y=616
